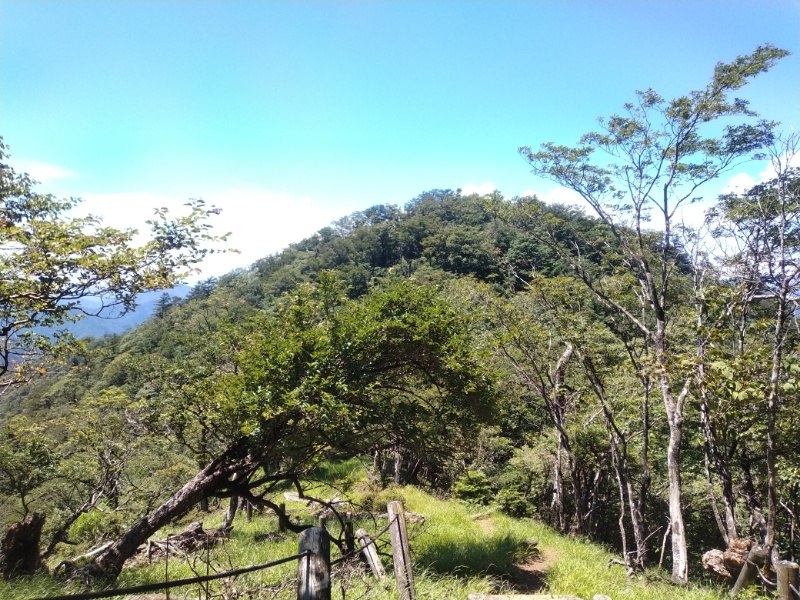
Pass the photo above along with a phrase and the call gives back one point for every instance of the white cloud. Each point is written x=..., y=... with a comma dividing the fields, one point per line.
x=126, y=210
x=481, y=189
x=261, y=222
x=562, y=195
x=690, y=215
x=786, y=161
x=741, y=182
x=44, y=173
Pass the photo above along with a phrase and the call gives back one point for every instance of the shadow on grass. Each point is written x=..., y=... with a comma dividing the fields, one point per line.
x=477, y=556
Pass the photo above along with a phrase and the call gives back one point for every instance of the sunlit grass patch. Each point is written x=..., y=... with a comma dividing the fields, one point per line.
x=38, y=586
x=581, y=569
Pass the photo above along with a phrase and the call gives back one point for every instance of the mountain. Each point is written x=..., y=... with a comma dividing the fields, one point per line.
x=115, y=324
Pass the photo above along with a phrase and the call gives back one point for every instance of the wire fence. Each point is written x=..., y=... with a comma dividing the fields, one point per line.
x=358, y=551
x=343, y=574
x=165, y=585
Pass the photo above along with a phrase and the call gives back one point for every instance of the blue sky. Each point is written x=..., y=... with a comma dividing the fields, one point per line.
x=289, y=115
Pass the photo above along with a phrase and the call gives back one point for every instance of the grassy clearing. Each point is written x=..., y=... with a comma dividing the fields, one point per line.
x=456, y=551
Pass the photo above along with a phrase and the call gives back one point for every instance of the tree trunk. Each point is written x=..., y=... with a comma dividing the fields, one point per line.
x=208, y=480
x=619, y=454
x=558, y=408
x=674, y=409
x=646, y=478
x=233, y=506
x=398, y=464
x=621, y=521
x=712, y=499
x=19, y=553
x=772, y=407
x=575, y=480
x=230, y=514
x=557, y=504
x=721, y=464
x=752, y=497
x=680, y=558
x=60, y=535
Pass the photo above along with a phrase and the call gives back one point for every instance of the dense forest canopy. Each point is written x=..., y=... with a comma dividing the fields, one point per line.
x=628, y=384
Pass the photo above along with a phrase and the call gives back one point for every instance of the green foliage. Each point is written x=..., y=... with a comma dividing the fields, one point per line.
x=376, y=499
x=52, y=262
x=524, y=483
x=27, y=460
x=431, y=334
x=473, y=486
x=96, y=526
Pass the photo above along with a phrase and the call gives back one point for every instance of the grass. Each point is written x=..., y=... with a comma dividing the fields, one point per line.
x=580, y=568
x=457, y=550
x=454, y=541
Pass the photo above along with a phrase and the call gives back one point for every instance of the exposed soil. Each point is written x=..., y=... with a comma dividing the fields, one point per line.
x=485, y=522
x=526, y=576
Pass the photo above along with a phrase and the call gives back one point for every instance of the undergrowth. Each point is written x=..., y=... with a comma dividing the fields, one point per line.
x=456, y=551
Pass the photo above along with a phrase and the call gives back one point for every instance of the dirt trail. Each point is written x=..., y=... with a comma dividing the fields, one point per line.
x=528, y=575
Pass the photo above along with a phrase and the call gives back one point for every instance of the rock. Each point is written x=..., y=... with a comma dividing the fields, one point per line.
x=601, y=597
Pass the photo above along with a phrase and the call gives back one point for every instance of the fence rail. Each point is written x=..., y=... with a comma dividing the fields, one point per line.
x=165, y=585
x=314, y=565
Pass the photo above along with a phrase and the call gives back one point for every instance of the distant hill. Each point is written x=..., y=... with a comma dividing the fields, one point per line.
x=97, y=327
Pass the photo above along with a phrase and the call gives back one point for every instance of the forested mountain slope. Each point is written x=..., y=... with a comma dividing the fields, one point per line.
x=621, y=383
x=123, y=426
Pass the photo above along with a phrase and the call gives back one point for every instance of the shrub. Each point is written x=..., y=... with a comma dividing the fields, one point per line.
x=376, y=499
x=525, y=483
x=473, y=486
x=96, y=525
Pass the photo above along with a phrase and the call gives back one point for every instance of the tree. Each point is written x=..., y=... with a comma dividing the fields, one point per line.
x=659, y=154
x=27, y=459
x=50, y=261
x=558, y=348
x=319, y=374
x=764, y=225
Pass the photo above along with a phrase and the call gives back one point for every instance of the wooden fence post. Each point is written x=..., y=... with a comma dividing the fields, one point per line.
x=314, y=570
x=749, y=572
x=370, y=552
x=349, y=537
x=400, y=551
x=281, y=524
x=787, y=576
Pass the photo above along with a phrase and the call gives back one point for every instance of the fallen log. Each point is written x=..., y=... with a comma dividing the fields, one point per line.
x=190, y=539
x=727, y=564
x=714, y=562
